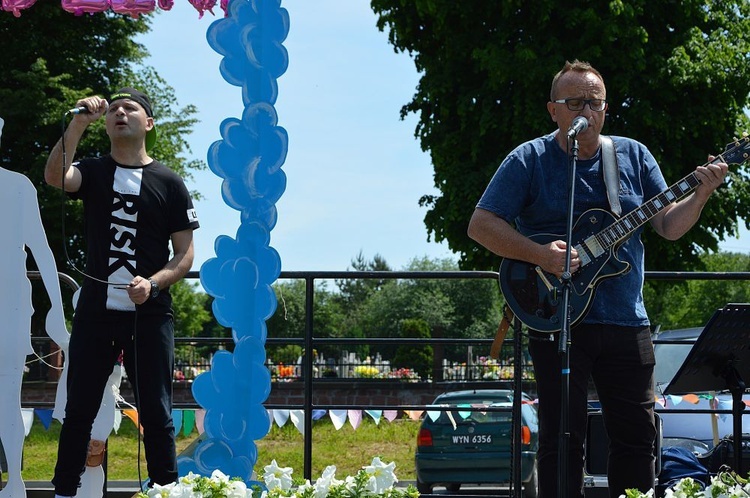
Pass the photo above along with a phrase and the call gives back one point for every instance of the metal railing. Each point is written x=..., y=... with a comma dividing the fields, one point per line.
x=310, y=340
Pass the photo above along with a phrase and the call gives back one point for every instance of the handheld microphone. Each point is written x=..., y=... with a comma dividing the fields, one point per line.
x=79, y=110
x=577, y=126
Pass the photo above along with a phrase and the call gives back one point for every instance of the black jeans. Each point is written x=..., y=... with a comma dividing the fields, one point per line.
x=620, y=360
x=94, y=348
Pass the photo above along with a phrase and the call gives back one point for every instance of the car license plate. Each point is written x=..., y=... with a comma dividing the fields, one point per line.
x=472, y=439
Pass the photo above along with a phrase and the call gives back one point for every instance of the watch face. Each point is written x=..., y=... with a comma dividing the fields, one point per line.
x=154, y=288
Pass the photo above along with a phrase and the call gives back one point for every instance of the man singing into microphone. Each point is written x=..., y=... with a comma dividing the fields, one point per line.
x=133, y=208
x=528, y=195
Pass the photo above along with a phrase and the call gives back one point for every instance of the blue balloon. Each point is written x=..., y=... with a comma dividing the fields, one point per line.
x=248, y=158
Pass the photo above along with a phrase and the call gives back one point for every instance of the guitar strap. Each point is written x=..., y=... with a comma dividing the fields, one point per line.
x=502, y=330
x=611, y=174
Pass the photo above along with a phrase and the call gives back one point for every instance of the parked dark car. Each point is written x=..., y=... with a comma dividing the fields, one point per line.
x=697, y=432
x=474, y=447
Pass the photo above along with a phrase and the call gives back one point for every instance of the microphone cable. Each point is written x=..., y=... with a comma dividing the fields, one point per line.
x=137, y=396
x=116, y=285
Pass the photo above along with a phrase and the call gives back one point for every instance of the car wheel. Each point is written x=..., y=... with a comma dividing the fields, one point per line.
x=453, y=487
x=531, y=487
x=424, y=488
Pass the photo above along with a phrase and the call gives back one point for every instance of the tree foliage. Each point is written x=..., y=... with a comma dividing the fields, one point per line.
x=677, y=75
x=675, y=305
x=52, y=58
x=449, y=307
x=414, y=356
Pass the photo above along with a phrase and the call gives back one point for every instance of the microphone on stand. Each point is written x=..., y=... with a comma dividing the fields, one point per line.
x=577, y=126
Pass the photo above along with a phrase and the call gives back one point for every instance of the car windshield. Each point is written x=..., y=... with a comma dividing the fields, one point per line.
x=669, y=357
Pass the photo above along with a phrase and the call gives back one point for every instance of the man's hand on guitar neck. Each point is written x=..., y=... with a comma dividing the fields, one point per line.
x=676, y=219
x=711, y=176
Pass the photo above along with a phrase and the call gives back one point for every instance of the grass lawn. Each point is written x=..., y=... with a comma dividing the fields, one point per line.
x=347, y=449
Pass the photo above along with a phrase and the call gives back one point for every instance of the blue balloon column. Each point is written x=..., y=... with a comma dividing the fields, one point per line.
x=249, y=159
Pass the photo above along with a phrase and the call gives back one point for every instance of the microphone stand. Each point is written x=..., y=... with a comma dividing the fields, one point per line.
x=563, y=347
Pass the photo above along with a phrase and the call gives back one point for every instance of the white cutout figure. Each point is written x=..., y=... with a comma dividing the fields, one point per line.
x=92, y=480
x=21, y=228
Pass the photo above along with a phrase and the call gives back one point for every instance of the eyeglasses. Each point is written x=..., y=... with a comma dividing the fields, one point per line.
x=595, y=105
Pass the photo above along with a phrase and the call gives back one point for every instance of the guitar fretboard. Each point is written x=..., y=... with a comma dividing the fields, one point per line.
x=625, y=226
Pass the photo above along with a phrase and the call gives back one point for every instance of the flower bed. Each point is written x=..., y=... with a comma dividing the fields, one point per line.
x=376, y=480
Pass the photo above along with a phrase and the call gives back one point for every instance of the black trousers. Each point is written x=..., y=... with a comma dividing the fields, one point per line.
x=620, y=360
x=148, y=358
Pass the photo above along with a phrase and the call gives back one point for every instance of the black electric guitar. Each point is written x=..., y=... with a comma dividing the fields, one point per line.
x=535, y=296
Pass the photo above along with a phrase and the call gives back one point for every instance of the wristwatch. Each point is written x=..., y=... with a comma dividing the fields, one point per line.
x=154, y=288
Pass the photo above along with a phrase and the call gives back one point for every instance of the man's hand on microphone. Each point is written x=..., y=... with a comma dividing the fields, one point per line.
x=95, y=105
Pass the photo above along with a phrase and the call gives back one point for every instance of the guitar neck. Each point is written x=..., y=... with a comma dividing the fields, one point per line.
x=625, y=226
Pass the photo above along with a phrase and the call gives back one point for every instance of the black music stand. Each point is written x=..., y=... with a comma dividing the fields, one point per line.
x=720, y=361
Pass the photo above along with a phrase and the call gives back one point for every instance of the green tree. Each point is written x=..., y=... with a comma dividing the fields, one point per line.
x=674, y=305
x=677, y=75
x=453, y=308
x=354, y=291
x=50, y=59
x=414, y=356
x=289, y=319
x=190, y=313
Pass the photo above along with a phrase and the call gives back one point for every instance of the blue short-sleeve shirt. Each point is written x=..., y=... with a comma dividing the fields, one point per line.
x=530, y=190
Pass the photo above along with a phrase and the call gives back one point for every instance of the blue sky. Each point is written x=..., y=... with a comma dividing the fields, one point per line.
x=354, y=170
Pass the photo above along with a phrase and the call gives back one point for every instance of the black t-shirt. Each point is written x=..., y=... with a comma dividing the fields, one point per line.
x=129, y=215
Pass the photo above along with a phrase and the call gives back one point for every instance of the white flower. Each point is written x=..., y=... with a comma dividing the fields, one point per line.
x=171, y=490
x=238, y=489
x=382, y=475
x=325, y=481
x=277, y=477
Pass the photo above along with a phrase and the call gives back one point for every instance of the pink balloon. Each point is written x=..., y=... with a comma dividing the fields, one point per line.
x=79, y=7
x=133, y=7
x=166, y=4
x=203, y=5
x=16, y=6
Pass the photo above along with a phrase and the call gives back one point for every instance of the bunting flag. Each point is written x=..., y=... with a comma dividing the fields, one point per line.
x=280, y=417
x=691, y=398
x=676, y=400
x=132, y=415
x=375, y=414
x=318, y=414
x=390, y=415
x=200, y=416
x=725, y=405
x=415, y=414
x=188, y=422
x=45, y=416
x=177, y=420
x=464, y=414
x=28, y=419
x=355, y=418
x=298, y=419
x=338, y=417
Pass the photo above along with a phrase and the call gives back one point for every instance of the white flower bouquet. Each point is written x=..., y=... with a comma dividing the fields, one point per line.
x=376, y=480
x=722, y=485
